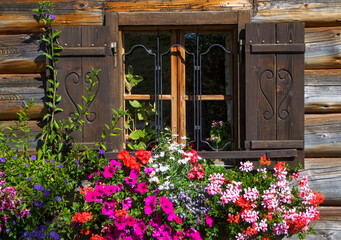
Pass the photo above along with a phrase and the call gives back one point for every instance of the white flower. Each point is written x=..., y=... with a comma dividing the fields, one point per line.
x=164, y=168
x=154, y=179
x=184, y=138
x=162, y=154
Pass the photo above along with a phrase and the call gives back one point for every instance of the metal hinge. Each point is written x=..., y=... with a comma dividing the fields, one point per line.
x=113, y=46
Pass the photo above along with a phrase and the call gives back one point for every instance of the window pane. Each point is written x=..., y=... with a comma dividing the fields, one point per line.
x=142, y=63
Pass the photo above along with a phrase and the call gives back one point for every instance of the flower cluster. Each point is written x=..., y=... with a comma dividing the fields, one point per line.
x=266, y=205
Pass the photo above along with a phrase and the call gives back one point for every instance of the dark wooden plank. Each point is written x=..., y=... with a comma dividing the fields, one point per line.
x=323, y=47
x=312, y=12
x=177, y=18
x=290, y=84
x=16, y=88
x=325, y=175
x=21, y=54
x=83, y=51
x=260, y=86
x=278, y=48
x=322, y=136
x=273, y=144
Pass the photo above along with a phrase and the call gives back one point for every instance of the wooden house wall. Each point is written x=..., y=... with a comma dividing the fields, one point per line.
x=22, y=68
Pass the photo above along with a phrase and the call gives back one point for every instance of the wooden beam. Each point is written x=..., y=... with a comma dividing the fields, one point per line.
x=323, y=47
x=177, y=18
x=178, y=5
x=325, y=175
x=312, y=12
x=322, y=135
x=15, y=88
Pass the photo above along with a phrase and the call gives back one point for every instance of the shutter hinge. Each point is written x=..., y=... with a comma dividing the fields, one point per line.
x=113, y=46
x=241, y=43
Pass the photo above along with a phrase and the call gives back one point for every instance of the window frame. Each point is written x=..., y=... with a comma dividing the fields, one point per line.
x=234, y=21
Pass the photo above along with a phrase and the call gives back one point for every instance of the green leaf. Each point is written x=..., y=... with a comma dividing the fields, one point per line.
x=48, y=55
x=47, y=115
x=56, y=33
x=134, y=135
x=141, y=145
x=135, y=104
x=58, y=98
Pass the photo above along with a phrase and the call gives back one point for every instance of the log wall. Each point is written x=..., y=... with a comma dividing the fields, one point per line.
x=22, y=68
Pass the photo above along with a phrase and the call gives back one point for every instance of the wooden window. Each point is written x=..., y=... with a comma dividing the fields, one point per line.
x=191, y=74
x=267, y=72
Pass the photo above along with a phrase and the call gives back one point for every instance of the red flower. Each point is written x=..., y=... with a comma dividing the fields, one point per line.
x=265, y=161
x=82, y=217
x=143, y=155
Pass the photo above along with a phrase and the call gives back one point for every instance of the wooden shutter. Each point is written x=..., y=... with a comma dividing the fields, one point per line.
x=85, y=47
x=274, y=87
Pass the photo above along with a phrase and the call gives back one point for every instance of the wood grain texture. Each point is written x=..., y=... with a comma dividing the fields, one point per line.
x=312, y=12
x=35, y=131
x=325, y=175
x=178, y=5
x=323, y=47
x=322, y=91
x=15, y=88
x=322, y=135
x=21, y=54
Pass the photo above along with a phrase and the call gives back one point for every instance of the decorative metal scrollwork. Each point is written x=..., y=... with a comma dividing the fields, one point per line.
x=285, y=76
x=92, y=115
x=71, y=81
x=266, y=75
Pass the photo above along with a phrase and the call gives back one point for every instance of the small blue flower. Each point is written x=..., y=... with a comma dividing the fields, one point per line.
x=36, y=187
x=3, y=160
x=101, y=152
x=60, y=165
x=52, y=161
x=65, y=180
x=34, y=157
x=41, y=188
x=23, y=104
x=76, y=162
x=27, y=165
x=37, y=203
x=15, y=157
x=29, y=179
x=42, y=227
x=54, y=235
x=59, y=198
x=46, y=193
x=8, y=229
x=19, y=174
x=46, y=160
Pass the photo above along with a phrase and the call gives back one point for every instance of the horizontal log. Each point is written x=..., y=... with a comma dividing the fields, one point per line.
x=323, y=47
x=14, y=89
x=35, y=131
x=177, y=5
x=322, y=135
x=325, y=175
x=312, y=12
x=323, y=77
x=21, y=54
x=325, y=230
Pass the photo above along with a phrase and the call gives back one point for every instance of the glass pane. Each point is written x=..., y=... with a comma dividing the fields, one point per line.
x=216, y=124
x=139, y=123
x=141, y=64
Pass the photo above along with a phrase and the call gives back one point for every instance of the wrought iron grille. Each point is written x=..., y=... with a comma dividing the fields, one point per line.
x=198, y=140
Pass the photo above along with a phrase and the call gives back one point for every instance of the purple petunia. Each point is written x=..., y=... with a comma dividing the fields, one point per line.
x=54, y=235
x=46, y=193
x=34, y=157
x=59, y=198
x=3, y=160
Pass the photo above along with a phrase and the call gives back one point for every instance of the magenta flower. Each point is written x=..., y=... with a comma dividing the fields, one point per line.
x=209, y=220
x=126, y=203
x=166, y=205
x=139, y=228
x=150, y=202
x=109, y=171
x=148, y=170
x=130, y=181
x=110, y=189
x=90, y=196
x=108, y=208
x=114, y=163
x=120, y=223
x=134, y=173
x=155, y=221
x=130, y=221
x=142, y=187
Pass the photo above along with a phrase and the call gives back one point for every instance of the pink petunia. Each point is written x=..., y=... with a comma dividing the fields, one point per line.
x=166, y=205
x=209, y=220
x=150, y=202
x=130, y=181
x=126, y=203
x=134, y=173
x=120, y=223
x=110, y=189
x=142, y=187
x=109, y=171
x=108, y=208
x=90, y=196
